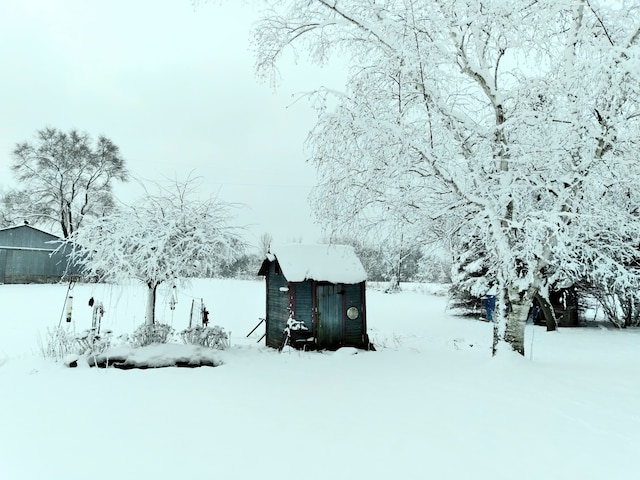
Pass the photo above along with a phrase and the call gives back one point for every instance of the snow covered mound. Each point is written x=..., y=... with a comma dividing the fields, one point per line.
x=156, y=356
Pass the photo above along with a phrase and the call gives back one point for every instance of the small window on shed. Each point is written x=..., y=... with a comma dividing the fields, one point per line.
x=353, y=313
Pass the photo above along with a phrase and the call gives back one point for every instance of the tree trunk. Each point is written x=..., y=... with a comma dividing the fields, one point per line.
x=547, y=310
x=70, y=228
x=63, y=223
x=150, y=314
x=499, y=320
x=497, y=334
x=520, y=303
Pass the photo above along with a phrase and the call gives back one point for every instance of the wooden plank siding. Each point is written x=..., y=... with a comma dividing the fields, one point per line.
x=303, y=306
x=353, y=329
x=329, y=316
x=277, y=307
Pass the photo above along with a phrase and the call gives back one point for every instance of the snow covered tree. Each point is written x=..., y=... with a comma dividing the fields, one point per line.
x=5, y=218
x=516, y=118
x=63, y=177
x=264, y=244
x=165, y=237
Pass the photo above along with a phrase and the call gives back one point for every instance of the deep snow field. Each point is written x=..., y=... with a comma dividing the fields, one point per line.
x=431, y=403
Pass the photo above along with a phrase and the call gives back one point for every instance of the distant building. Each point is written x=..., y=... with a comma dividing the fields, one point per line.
x=323, y=288
x=27, y=256
x=563, y=306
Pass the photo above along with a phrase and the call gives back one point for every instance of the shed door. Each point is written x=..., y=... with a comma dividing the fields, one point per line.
x=329, y=316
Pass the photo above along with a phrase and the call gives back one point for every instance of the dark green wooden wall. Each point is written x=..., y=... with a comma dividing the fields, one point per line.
x=303, y=307
x=277, y=307
x=354, y=329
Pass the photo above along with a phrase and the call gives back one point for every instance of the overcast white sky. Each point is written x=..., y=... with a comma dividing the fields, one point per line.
x=174, y=87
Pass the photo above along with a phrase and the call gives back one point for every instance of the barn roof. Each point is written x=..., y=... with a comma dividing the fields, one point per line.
x=26, y=237
x=28, y=227
x=324, y=263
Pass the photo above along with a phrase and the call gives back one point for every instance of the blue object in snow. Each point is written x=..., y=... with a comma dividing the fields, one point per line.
x=533, y=315
x=490, y=305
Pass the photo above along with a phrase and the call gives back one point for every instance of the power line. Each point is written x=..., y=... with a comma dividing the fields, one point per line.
x=287, y=185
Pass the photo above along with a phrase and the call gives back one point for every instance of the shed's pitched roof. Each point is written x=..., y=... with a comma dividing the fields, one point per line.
x=324, y=263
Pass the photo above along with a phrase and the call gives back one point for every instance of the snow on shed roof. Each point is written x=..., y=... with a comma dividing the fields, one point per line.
x=325, y=263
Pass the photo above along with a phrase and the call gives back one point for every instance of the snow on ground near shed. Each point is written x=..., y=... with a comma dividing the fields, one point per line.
x=430, y=404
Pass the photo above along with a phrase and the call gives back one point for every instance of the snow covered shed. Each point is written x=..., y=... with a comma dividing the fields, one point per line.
x=321, y=286
x=27, y=256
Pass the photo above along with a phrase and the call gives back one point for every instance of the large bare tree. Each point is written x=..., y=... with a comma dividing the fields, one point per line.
x=516, y=121
x=63, y=177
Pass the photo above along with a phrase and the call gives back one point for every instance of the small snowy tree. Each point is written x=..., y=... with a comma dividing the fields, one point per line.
x=160, y=238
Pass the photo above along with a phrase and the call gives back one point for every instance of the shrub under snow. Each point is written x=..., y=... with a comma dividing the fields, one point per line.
x=148, y=334
x=61, y=341
x=211, y=337
x=57, y=343
x=92, y=343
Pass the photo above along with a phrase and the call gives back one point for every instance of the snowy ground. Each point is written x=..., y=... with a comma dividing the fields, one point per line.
x=431, y=403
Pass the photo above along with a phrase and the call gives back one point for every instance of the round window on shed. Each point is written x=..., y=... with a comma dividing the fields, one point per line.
x=352, y=313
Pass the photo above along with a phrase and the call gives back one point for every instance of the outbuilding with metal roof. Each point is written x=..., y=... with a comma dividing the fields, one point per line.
x=30, y=255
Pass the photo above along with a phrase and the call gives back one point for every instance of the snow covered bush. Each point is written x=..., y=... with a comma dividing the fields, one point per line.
x=210, y=337
x=91, y=343
x=58, y=342
x=61, y=341
x=621, y=306
x=470, y=278
x=147, y=334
